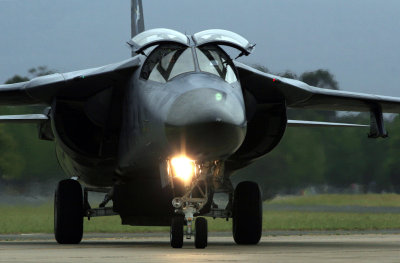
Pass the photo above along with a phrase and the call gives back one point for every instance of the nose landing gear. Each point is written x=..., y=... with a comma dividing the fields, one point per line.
x=201, y=236
x=186, y=207
x=189, y=208
x=177, y=233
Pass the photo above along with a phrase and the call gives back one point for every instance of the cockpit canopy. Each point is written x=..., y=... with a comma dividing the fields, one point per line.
x=159, y=36
x=214, y=60
x=223, y=37
x=170, y=60
x=177, y=53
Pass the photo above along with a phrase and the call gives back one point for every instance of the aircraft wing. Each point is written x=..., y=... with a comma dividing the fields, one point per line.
x=268, y=89
x=77, y=84
x=300, y=123
x=28, y=118
x=298, y=94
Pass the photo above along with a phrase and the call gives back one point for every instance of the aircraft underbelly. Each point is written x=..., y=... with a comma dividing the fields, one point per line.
x=143, y=201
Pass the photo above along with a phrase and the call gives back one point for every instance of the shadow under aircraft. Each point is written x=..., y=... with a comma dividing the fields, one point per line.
x=161, y=133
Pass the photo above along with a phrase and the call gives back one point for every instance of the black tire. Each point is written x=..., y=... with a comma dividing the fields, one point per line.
x=68, y=212
x=247, y=214
x=201, y=237
x=176, y=233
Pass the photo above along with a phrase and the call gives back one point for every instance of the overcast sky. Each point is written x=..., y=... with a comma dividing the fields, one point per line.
x=356, y=40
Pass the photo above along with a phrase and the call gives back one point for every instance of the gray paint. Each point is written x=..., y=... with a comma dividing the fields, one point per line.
x=137, y=18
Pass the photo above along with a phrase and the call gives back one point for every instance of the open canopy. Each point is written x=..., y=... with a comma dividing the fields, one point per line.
x=158, y=36
x=223, y=37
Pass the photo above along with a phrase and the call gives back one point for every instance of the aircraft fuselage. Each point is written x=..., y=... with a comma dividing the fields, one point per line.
x=196, y=114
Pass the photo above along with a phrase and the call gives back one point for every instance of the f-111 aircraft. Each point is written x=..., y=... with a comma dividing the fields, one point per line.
x=161, y=133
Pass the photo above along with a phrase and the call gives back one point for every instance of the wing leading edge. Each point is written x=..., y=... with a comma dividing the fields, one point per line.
x=300, y=95
x=27, y=118
x=80, y=84
x=300, y=123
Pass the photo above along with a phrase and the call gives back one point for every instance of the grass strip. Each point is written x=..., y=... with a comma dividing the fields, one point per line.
x=367, y=200
x=39, y=219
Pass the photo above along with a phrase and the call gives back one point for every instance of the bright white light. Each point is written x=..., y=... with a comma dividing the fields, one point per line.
x=183, y=168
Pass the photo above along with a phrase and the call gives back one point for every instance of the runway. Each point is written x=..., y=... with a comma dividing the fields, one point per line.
x=156, y=248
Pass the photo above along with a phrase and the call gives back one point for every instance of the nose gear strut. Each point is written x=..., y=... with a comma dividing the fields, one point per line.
x=196, y=196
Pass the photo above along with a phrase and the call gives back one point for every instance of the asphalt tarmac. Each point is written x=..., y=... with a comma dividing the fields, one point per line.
x=155, y=248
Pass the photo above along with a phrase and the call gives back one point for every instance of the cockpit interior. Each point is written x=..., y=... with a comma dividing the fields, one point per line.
x=170, y=60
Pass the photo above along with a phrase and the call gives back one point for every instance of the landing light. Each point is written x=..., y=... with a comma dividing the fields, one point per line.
x=183, y=168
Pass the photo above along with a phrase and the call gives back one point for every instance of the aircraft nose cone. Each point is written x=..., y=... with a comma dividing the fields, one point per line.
x=206, y=124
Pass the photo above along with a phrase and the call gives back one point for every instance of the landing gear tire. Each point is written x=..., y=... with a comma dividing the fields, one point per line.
x=247, y=214
x=201, y=227
x=176, y=234
x=68, y=212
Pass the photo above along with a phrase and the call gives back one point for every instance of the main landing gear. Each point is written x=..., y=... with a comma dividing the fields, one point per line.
x=68, y=212
x=71, y=206
x=247, y=214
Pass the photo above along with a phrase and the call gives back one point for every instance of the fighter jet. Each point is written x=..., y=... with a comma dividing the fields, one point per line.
x=161, y=133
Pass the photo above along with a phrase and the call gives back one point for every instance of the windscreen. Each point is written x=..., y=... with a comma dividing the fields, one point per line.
x=167, y=62
x=213, y=60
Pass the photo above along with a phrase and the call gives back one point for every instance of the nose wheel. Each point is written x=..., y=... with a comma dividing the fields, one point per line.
x=177, y=232
x=201, y=236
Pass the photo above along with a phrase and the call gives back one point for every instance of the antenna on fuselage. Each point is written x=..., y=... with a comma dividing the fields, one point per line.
x=137, y=19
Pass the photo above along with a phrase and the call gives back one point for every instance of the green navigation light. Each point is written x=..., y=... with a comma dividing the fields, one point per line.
x=218, y=96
